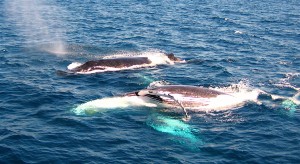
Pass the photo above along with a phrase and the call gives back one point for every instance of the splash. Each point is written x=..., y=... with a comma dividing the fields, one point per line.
x=238, y=32
x=241, y=93
x=157, y=84
x=245, y=93
x=294, y=99
x=290, y=104
x=284, y=82
x=155, y=56
x=106, y=104
x=74, y=65
x=39, y=22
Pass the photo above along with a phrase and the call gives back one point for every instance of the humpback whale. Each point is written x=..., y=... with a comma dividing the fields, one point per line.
x=122, y=63
x=194, y=98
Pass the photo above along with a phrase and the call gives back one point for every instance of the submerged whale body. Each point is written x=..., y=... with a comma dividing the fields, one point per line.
x=122, y=63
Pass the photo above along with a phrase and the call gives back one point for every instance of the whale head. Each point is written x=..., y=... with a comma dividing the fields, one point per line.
x=172, y=57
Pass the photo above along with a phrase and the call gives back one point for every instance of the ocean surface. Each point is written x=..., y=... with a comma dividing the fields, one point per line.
x=224, y=42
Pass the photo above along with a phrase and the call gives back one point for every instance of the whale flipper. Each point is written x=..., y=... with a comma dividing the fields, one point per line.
x=187, y=117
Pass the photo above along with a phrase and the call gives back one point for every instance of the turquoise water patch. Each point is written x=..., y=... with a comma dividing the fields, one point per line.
x=183, y=132
x=289, y=106
x=146, y=79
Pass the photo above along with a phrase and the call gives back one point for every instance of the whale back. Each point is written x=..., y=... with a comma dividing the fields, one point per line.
x=188, y=91
x=113, y=63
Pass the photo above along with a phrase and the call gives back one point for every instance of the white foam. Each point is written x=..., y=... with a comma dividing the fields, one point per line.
x=157, y=84
x=295, y=99
x=133, y=54
x=238, y=95
x=284, y=82
x=238, y=32
x=232, y=101
x=156, y=57
x=105, y=104
x=74, y=65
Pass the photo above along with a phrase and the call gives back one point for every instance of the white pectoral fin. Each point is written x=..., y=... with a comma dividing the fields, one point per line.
x=187, y=117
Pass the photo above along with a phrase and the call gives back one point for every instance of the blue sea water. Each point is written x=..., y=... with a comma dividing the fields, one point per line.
x=224, y=41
